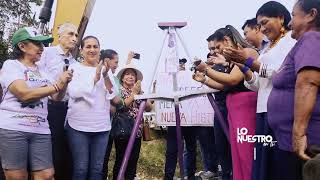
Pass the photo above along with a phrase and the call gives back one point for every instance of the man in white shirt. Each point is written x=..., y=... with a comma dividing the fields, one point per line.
x=53, y=61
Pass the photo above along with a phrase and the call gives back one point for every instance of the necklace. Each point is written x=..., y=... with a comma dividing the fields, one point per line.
x=274, y=42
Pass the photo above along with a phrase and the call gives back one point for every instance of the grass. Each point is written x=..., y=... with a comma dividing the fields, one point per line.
x=152, y=158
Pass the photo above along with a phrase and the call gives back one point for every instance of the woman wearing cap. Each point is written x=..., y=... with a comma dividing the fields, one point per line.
x=88, y=116
x=130, y=79
x=25, y=140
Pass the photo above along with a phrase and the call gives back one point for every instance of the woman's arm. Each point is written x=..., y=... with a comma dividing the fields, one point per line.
x=148, y=106
x=20, y=89
x=200, y=77
x=306, y=91
x=253, y=83
x=232, y=79
x=108, y=83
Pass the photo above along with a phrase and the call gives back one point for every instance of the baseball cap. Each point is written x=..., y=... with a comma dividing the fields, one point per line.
x=29, y=33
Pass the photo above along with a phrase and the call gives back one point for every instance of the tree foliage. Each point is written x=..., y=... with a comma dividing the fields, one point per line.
x=13, y=15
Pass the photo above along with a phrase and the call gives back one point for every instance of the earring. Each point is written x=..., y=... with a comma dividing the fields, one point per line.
x=282, y=30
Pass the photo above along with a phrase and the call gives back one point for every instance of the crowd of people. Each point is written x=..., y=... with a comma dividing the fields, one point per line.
x=60, y=117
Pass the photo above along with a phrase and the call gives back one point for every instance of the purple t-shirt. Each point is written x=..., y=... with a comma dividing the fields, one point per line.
x=305, y=53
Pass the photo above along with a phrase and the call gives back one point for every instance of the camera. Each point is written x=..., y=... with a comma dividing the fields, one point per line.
x=136, y=56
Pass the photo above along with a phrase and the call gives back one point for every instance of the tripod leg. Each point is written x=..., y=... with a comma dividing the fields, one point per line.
x=183, y=45
x=157, y=64
x=131, y=141
x=219, y=115
x=179, y=139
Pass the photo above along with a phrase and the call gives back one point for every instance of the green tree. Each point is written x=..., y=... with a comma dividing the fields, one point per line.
x=13, y=15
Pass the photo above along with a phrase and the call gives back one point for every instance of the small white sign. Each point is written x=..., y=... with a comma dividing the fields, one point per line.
x=196, y=111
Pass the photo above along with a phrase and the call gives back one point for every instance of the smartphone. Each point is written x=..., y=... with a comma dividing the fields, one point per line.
x=136, y=56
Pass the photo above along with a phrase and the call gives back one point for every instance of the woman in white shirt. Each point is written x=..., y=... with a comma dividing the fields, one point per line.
x=88, y=116
x=25, y=140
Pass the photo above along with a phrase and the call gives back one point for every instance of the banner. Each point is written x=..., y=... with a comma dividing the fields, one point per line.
x=196, y=111
x=172, y=60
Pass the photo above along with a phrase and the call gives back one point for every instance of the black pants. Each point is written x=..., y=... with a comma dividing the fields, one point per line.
x=284, y=165
x=121, y=145
x=222, y=145
x=1, y=172
x=62, y=159
x=189, y=136
x=107, y=157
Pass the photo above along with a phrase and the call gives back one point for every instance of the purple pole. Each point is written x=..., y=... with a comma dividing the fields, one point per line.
x=220, y=118
x=179, y=141
x=131, y=141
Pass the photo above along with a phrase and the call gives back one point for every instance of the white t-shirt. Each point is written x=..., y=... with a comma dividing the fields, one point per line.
x=274, y=58
x=18, y=116
x=89, y=104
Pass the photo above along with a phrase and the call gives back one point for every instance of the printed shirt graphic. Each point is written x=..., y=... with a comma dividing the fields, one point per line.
x=15, y=114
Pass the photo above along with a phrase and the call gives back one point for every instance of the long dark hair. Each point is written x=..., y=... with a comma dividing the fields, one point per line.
x=230, y=32
x=275, y=9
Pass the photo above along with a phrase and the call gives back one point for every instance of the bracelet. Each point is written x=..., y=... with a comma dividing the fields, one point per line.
x=263, y=71
x=56, y=87
x=244, y=69
x=206, y=80
x=249, y=62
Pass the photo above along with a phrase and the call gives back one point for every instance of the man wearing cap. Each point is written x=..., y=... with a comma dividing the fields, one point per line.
x=53, y=61
x=25, y=140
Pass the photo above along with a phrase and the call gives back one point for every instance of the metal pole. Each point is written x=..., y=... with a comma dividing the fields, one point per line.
x=184, y=46
x=179, y=138
x=220, y=117
x=131, y=141
x=45, y=14
x=159, y=56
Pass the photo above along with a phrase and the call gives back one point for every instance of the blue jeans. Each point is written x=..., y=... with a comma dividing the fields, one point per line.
x=88, y=150
x=188, y=135
x=261, y=169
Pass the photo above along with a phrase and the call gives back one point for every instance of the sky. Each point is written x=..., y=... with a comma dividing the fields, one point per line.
x=125, y=26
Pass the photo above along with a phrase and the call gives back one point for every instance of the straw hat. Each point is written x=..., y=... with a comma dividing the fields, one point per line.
x=130, y=66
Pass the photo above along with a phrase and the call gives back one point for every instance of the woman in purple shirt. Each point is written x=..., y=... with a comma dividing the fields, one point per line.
x=294, y=104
